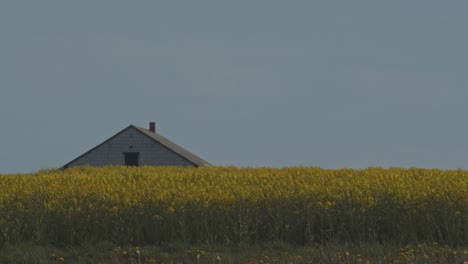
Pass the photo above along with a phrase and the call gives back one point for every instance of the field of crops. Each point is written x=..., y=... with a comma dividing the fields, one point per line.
x=227, y=205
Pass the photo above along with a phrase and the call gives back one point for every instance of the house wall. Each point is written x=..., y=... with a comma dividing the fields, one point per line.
x=131, y=140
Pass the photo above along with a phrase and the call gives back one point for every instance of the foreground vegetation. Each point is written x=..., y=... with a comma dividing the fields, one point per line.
x=231, y=206
x=273, y=252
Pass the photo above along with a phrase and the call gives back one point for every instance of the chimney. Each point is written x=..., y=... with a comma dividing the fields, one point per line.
x=152, y=127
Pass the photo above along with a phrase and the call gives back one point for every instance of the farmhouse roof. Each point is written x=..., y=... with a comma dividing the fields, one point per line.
x=152, y=134
x=173, y=146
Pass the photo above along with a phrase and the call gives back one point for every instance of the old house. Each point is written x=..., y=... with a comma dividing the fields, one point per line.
x=136, y=146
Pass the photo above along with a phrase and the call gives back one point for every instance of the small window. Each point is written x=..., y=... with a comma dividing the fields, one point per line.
x=131, y=158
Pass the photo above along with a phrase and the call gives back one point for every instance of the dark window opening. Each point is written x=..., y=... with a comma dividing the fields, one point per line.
x=131, y=158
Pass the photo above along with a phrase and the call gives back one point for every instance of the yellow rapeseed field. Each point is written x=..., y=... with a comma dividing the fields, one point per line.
x=234, y=205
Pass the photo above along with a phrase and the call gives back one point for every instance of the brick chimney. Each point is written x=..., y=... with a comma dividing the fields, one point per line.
x=152, y=127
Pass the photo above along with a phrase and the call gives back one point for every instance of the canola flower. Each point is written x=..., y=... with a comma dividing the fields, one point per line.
x=234, y=205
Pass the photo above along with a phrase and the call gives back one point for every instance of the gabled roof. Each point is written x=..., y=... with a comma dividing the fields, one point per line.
x=173, y=146
x=197, y=161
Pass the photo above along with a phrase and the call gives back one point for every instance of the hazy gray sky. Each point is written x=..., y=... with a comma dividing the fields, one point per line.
x=247, y=83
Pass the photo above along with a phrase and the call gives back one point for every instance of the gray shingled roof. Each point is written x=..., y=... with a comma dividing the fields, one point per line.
x=173, y=146
x=197, y=161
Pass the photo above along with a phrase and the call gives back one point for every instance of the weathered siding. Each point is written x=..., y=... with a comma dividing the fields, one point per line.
x=131, y=140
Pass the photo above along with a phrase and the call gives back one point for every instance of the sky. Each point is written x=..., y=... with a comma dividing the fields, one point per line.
x=329, y=84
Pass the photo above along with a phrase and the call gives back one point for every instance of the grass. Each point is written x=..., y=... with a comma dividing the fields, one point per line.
x=274, y=252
